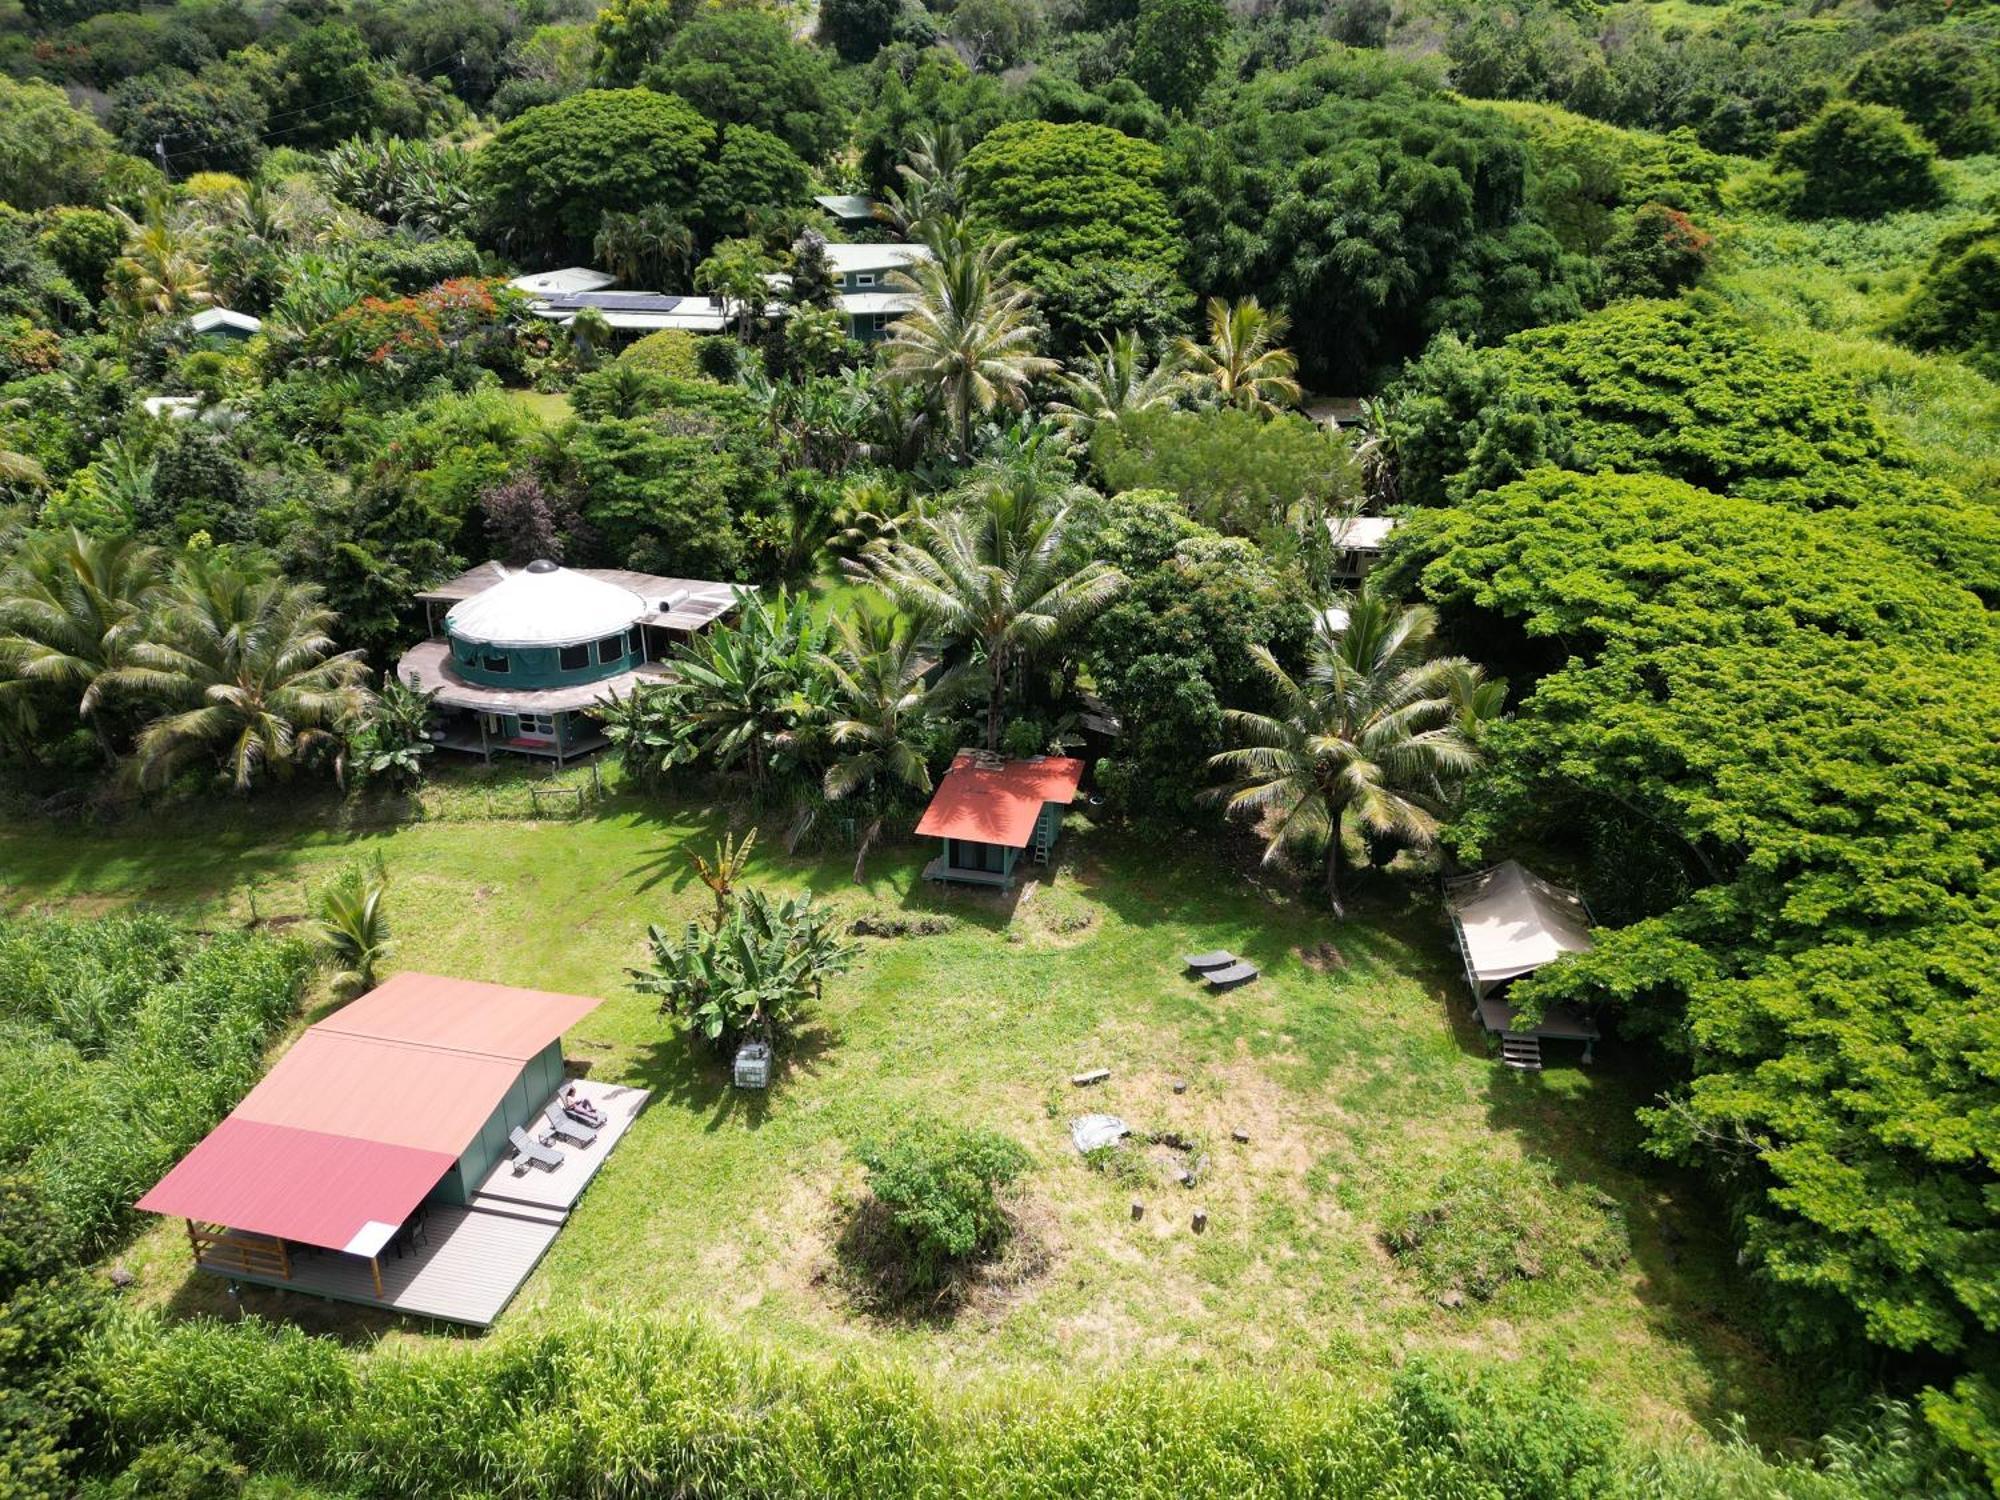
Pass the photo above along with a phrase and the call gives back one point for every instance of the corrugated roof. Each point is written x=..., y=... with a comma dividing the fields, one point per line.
x=998, y=803
x=370, y=1089
x=390, y=1090
x=495, y=1020
x=303, y=1185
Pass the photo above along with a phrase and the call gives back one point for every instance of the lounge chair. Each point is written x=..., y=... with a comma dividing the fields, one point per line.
x=529, y=1152
x=566, y=1128
x=1228, y=978
x=1221, y=958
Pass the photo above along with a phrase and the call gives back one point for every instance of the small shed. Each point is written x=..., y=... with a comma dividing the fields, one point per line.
x=989, y=811
x=1358, y=542
x=222, y=322
x=1510, y=922
x=848, y=210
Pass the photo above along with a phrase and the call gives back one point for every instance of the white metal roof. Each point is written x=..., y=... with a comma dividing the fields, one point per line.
x=545, y=605
x=1362, y=533
x=1333, y=619
x=846, y=258
x=847, y=205
x=214, y=319
x=856, y=304
x=179, y=407
x=1511, y=921
x=568, y=279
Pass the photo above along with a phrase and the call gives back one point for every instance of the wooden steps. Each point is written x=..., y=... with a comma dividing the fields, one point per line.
x=1524, y=1052
x=517, y=1208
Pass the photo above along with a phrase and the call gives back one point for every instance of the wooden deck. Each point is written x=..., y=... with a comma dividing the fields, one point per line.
x=471, y=1260
x=474, y=1262
x=562, y=1187
x=1559, y=1022
x=937, y=869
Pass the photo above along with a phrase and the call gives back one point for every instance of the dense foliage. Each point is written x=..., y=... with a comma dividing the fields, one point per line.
x=941, y=1187
x=1598, y=297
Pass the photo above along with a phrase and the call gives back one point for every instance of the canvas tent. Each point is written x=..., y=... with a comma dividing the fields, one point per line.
x=1511, y=922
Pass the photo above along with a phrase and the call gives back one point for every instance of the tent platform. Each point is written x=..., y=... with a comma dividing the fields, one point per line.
x=1559, y=1023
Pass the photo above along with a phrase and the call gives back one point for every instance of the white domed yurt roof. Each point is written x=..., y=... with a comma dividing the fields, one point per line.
x=544, y=605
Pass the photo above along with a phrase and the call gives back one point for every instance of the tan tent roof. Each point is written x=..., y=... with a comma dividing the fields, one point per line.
x=1511, y=921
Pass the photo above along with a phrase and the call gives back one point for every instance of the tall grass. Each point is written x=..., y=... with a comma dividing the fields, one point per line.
x=122, y=1041
x=643, y=1408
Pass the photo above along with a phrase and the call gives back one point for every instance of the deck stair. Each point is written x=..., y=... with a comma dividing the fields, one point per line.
x=1521, y=1051
x=517, y=1208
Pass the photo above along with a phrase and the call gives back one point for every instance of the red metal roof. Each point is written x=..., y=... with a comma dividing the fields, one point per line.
x=463, y=1014
x=998, y=804
x=300, y=1185
x=369, y=1108
x=375, y=1090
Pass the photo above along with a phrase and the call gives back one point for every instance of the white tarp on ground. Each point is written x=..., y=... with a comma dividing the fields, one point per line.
x=1511, y=921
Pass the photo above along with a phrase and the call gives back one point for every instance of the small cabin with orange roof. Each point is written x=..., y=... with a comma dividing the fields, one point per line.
x=990, y=811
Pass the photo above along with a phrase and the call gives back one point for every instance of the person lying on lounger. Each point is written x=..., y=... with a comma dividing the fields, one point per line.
x=575, y=1105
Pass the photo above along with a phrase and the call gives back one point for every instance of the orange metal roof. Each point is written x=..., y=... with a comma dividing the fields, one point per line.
x=998, y=804
x=464, y=1015
x=373, y=1090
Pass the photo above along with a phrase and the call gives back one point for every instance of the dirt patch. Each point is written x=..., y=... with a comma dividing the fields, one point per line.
x=1321, y=958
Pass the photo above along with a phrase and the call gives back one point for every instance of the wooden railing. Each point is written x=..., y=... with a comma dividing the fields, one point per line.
x=220, y=1248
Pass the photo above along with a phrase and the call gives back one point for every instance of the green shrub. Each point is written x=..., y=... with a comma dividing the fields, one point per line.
x=196, y=1466
x=1491, y=1223
x=129, y=1039
x=1852, y=160
x=940, y=1185
x=669, y=351
x=1957, y=305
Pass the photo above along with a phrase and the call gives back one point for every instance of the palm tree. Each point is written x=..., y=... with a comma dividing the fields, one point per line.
x=1365, y=742
x=746, y=694
x=73, y=612
x=934, y=183
x=647, y=247
x=883, y=706
x=252, y=659
x=589, y=332
x=20, y=470
x=970, y=339
x=163, y=270
x=994, y=574
x=1243, y=363
x=1110, y=381
x=738, y=275
x=354, y=927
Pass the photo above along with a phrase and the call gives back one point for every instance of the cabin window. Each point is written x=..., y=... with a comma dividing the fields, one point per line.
x=570, y=658
x=496, y=663
x=632, y=642
x=610, y=649
x=540, y=724
x=864, y=278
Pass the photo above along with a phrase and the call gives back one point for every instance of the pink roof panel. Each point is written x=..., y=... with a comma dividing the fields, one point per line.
x=462, y=1014
x=992, y=804
x=300, y=1185
x=381, y=1091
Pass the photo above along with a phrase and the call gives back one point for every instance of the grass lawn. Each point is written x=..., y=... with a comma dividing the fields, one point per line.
x=1353, y=1066
x=550, y=408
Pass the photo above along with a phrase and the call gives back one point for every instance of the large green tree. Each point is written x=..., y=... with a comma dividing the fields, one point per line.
x=1770, y=737
x=1085, y=207
x=549, y=176
x=1177, y=47
x=253, y=677
x=50, y=151
x=1944, y=82
x=995, y=575
x=744, y=67
x=970, y=340
x=1858, y=160
x=1372, y=209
